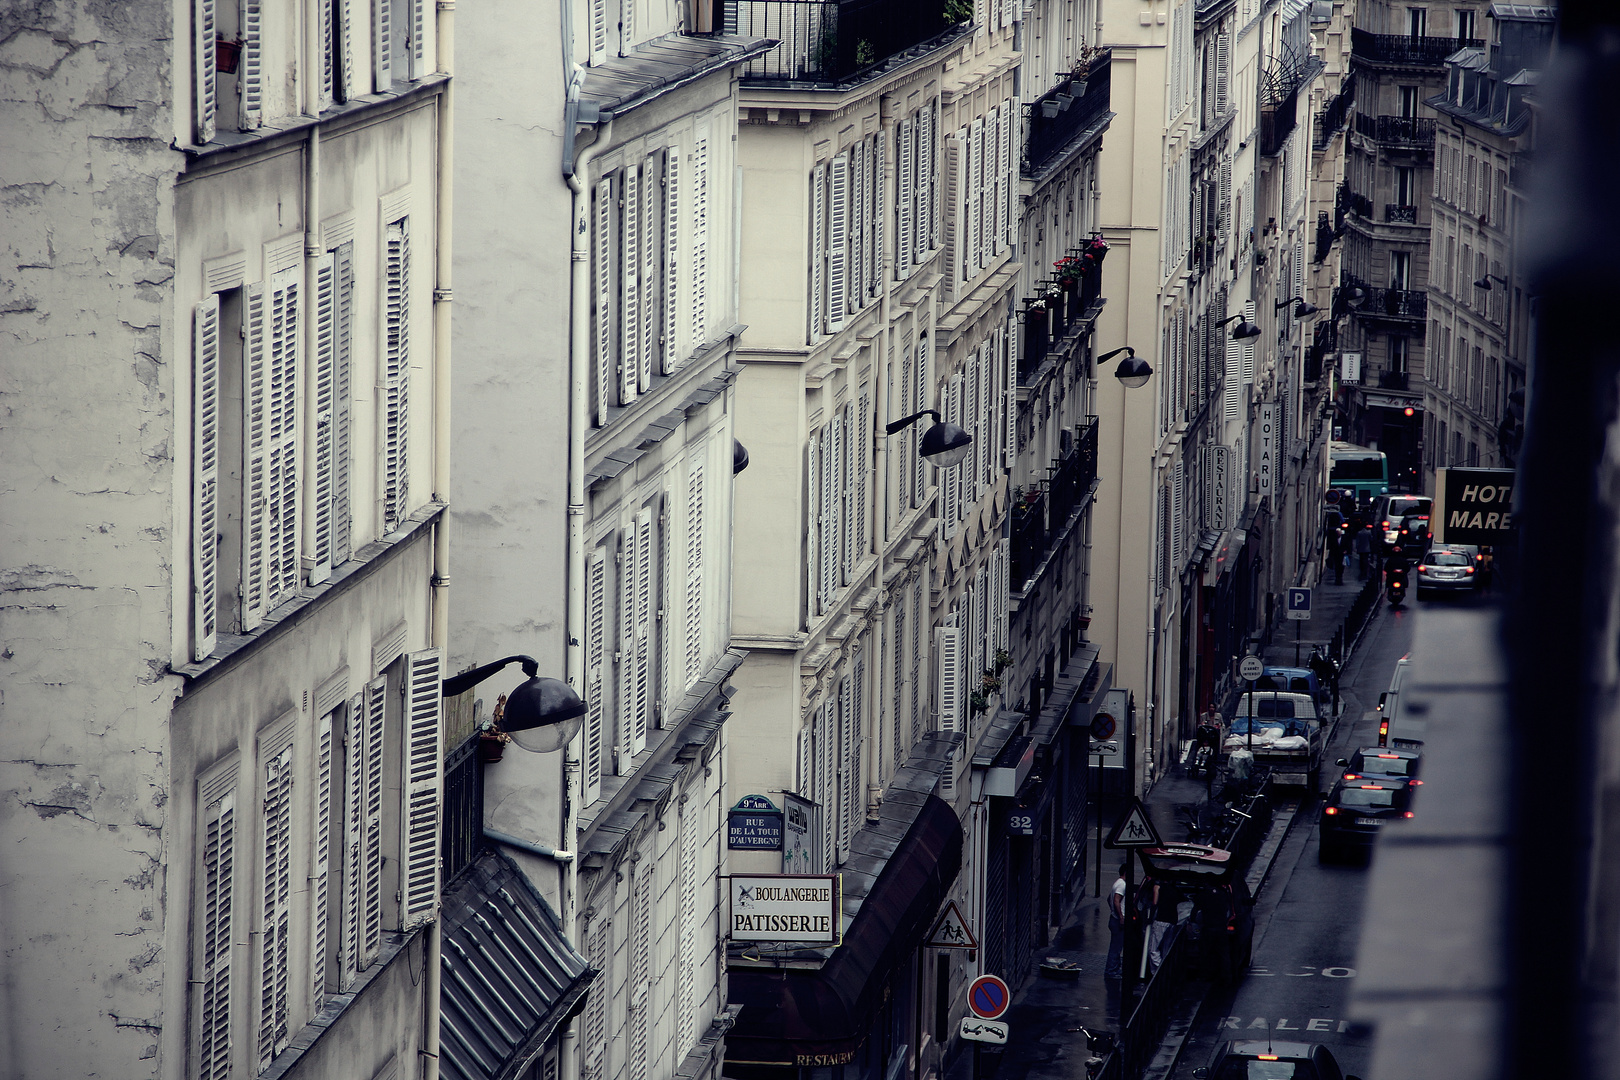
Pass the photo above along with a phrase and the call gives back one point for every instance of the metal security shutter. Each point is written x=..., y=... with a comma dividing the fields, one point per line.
x=838, y=243
x=905, y=200
x=320, y=863
x=250, y=66
x=275, y=889
x=629, y=283
x=696, y=572
x=205, y=479
x=204, y=104
x=818, y=251
x=595, y=661
x=1076, y=783
x=424, y=786
x=995, y=891
x=396, y=376
x=602, y=316
x=217, y=874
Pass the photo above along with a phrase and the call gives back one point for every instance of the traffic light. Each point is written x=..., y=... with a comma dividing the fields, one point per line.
x=1409, y=411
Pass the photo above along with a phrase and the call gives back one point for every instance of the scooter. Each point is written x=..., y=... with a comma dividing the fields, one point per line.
x=1206, y=742
x=1395, y=588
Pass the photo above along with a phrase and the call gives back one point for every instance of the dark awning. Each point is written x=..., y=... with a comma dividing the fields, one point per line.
x=818, y=1017
x=510, y=978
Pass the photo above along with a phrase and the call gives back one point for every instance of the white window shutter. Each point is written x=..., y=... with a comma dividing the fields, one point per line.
x=919, y=638
x=832, y=447
x=644, y=614
x=812, y=525
x=598, y=954
x=205, y=103
x=1248, y=345
x=275, y=894
x=324, y=383
x=647, y=339
x=1014, y=134
x=955, y=207
x=665, y=678
x=862, y=438
x=424, y=784
x=371, y=916
x=250, y=66
x=1010, y=345
x=595, y=662
x=205, y=479
x=320, y=863
x=804, y=747
x=341, y=509
x=218, y=874
x=999, y=233
x=919, y=479
x=673, y=269
x=905, y=200
x=354, y=835
x=396, y=376
x=700, y=241
x=640, y=975
x=818, y=250
x=948, y=695
x=382, y=46
x=878, y=219
x=855, y=227
x=1231, y=399
x=282, y=537
x=329, y=46
x=602, y=262
x=629, y=289
x=838, y=243
x=848, y=756
x=857, y=738
x=925, y=183
x=1003, y=592
x=970, y=468
x=625, y=654
x=695, y=570
x=686, y=981
x=256, y=492
x=827, y=779
x=1223, y=72
x=977, y=222
x=599, y=31
x=627, y=26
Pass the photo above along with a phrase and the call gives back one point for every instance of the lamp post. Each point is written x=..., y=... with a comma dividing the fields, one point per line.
x=1243, y=329
x=542, y=715
x=1300, y=311
x=944, y=444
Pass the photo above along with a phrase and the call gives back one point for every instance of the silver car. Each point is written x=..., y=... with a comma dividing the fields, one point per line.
x=1448, y=567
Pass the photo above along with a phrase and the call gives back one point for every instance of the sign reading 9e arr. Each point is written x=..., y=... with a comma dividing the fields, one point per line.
x=1473, y=506
x=786, y=907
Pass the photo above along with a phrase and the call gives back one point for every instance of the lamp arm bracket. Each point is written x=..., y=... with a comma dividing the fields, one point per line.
x=460, y=684
x=905, y=422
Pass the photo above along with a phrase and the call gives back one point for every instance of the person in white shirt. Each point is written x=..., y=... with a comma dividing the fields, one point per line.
x=1115, y=968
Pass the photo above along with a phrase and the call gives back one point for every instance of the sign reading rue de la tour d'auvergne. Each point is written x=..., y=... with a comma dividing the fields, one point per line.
x=785, y=907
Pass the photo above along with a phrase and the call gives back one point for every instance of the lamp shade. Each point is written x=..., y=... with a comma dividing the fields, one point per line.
x=1303, y=309
x=945, y=444
x=543, y=715
x=1245, y=329
x=1133, y=372
x=739, y=457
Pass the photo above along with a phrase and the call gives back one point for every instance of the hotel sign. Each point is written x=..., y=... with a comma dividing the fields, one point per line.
x=786, y=907
x=1268, y=446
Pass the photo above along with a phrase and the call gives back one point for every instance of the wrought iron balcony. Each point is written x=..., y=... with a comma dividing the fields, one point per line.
x=1068, y=110
x=1057, y=314
x=1401, y=49
x=1399, y=304
x=1397, y=130
x=1335, y=115
x=1393, y=380
x=1277, y=122
x=835, y=41
x=1039, y=516
x=1395, y=213
x=1351, y=202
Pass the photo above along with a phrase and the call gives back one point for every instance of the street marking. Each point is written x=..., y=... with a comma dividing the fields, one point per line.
x=1346, y=973
x=1315, y=1023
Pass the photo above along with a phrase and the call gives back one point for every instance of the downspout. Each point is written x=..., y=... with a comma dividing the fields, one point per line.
x=444, y=27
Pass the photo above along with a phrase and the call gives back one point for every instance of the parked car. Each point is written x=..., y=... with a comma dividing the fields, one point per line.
x=1221, y=926
x=1296, y=680
x=1264, y=1059
x=1353, y=813
x=1384, y=765
x=1448, y=568
x=1283, y=731
x=1389, y=511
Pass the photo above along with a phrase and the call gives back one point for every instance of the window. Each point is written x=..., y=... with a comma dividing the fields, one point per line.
x=1400, y=270
x=1408, y=101
x=1465, y=22
x=1417, y=23
x=1405, y=185
x=1398, y=355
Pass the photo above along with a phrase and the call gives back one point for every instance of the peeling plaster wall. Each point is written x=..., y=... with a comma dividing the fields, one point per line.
x=86, y=432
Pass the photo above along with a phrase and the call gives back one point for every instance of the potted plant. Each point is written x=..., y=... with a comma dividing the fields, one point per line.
x=491, y=739
x=1003, y=660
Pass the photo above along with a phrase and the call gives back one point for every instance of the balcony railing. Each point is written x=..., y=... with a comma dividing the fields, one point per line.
x=1324, y=237
x=1335, y=115
x=1397, y=214
x=1397, y=130
x=1351, y=202
x=1057, y=313
x=833, y=41
x=1402, y=304
x=1393, y=380
x=1277, y=122
x=1064, y=112
x=1401, y=49
x=1042, y=513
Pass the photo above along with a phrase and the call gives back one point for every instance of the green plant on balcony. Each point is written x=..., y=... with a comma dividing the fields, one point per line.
x=958, y=11
x=827, y=49
x=978, y=702
x=1082, y=65
x=864, y=53
x=1003, y=660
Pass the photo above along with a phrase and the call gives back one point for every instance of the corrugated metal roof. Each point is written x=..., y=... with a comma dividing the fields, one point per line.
x=1534, y=12
x=510, y=977
x=659, y=65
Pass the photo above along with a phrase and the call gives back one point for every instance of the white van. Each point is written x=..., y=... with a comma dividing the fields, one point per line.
x=1398, y=727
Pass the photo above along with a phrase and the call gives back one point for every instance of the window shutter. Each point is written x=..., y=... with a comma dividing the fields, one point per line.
x=630, y=292
x=905, y=201
x=419, y=38
x=625, y=654
x=977, y=222
x=1177, y=508
x=969, y=193
x=919, y=478
x=250, y=65
x=902, y=679
x=282, y=537
x=862, y=437
x=838, y=243
x=805, y=748
x=642, y=698
x=1010, y=345
x=953, y=478
x=204, y=104
x=1223, y=215
x=849, y=742
x=954, y=217
x=595, y=649
x=1231, y=397
x=925, y=182
x=1004, y=593
x=382, y=46
x=1014, y=133
x=970, y=468
x=695, y=570
x=855, y=293
x=948, y=648
x=664, y=678
x=602, y=259
x=218, y=830
x=598, y=31
x=627, y=26
x=647, y=338
x=818, y=250
x=831, y=446
x=852, y=745
x=999, y=235
x=329, y=44
x=919, y=637
x=1223, y=71
x=342, y=514
x=256, y=492
x=424, y=783
x=700, y=241
x=371, y=822
x=812, y=527
x=354, y=793
x=878, y=218
x=205, y=479
x=639, y=991
x=672, y=264
x=1248, y=345
x=848, y=509
x=396, y=376
x=685, y=985
x=320, y=863
x=325, y=362
x=598, y=949
x=275, y=892
x=827, y=779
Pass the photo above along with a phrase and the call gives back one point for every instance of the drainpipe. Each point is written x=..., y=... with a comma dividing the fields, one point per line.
x=444, y=27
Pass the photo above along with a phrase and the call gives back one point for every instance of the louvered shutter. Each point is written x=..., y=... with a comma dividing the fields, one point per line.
x=969, y=194
x=424, y=783
x=341, y=509
x=838, y=243
x=641, y=700
x=971, y=467
x=602, y=260
x=1004, y=591
x=862, y=437
x=812, y=526
x=832, y=448
x=954, y=215
x=953, y=477
x=977, y=193
x=599, y=31
x=218, y=872
x=204, y=104
x=878, y=219
x=598, y=950
x=696, y=572
x=905, y=201
x=396, y=376
x=700, y=241
x=382, y=46
x=1003, y=123
x=256, y=492
x=902, y=680
x=685, y=985
x=673, y=270
x=818, y=250
x=1011, y=346
x=627, y=26
x=1014, y=135
x=625, y=654
x=921, y=382
x=855, y=228
x=947, y=695
x=665, y=677
x=629, y=283
x=371, y=856
x=282, y=545
x=857, y=738
x=320, y=863
x=325, y=371
x=847, y=507
x=919, y=638
x=329, y=46
x=205, y=479
x=844, y=745
x=275, y=882
x=1248, y=345
x=1223, y=71
x=1225, y=213
x=923, y=238
x=354, y=841
x=805, y=783
x=250, y=65
x=1231, y=399
x=651, y=236
x=1177, y=509
x=949, y=489
x=640, y=989
x=595, y=662
x=827, y=780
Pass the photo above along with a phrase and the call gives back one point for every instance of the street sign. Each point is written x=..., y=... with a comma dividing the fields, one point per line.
x=1299, y=604
x=988, y=997
x=1102, y=727
x=754, y=824
x=986, y=1031
x=1135, y=829
x=1251, y=667
x=951, y=932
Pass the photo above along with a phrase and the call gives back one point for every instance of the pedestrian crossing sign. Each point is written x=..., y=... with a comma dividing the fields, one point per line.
x=951, y=932
x=1135, y=829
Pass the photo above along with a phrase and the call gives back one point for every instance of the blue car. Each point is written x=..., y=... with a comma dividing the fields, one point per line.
x=1297, y=680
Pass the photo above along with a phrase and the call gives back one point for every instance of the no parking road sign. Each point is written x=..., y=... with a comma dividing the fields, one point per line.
x=1299, y=603
x=988, y=997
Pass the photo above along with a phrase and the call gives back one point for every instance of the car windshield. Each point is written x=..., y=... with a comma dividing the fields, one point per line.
x=1373, y=797
x=1288, y=725
x=1393, y=765
x=1262, y=705
x=1238, y=1069
x=1403, y=507
x=1365, y=468
x=1446, y=558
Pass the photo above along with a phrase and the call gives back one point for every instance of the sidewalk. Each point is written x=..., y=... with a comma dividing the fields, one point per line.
x=1330, y=604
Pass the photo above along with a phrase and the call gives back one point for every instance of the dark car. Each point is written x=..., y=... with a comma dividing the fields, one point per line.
x=1262, y=1059
x=1353, y=813
x=1448, y=568
x=1221, y=926
x=1382, y=764
x=1388, y=513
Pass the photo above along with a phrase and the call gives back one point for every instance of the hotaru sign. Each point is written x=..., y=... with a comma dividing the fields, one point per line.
x=1473, y=506
x=754, y=824
x=785, y=907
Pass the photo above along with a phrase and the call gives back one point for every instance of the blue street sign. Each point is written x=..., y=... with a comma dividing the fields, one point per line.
x=1299, y=603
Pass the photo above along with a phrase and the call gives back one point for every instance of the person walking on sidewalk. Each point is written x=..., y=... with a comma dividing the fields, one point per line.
x=1336, y=555
x=1166, y=903
x=1363, y=546
x=1115, y=968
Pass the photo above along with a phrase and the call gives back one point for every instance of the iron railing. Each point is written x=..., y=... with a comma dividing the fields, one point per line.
x=833, y=41
x=1052, y=316
x=1335, y=115
x=1277, y=122
x=1401, y=49
x=1394, y=380
x=462, y=832
x=1352, y=202
x=1395, y=304
x=1324, y=237
x=1064, y=112
x=1395, y=213
x=1043, y=512
x=1396, y=130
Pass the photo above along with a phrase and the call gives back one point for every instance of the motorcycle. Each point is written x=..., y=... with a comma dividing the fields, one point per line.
x=1395, y=587
x=1205, y=751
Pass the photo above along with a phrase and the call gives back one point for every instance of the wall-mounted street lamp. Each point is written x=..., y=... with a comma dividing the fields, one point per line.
x=1301, y=311
x=739, y=457
x=1485, y=282
x=1244, y=328
x=1354, y=297
x=542, y=715
x=1131, y=371
x=944, y=444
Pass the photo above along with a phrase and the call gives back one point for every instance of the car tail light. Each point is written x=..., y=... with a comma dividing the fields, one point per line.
x=1383, y=731
x=1231, y=927
x=1468, y=569
x=1372, y=787
x=1330, y=810
x=1417, y=783
x=1352, y=776
x=1390, y=757
x=1408, y=813
x=1265, y=1057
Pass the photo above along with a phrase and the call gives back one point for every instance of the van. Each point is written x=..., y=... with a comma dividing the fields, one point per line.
x=1389, y=511
x=1397, y=726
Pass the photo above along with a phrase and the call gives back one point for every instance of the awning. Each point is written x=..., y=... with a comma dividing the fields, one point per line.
x=510, y=978
x=816, y=1017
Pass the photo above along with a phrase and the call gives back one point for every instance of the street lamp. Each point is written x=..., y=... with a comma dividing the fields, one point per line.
x=739, y=457
x=1244, y=329
x=1485, y=282
x=944, y=444
x=1131, y=372
x=1301, y=311
x=542, y=715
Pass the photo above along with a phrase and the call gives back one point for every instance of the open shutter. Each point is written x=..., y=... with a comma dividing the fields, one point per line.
x=859, y=166
x=599, y=31
x=424, y=784
x=848, y=738
x=282, y=532
x=877, y=220
x=855, y=741
x=827, y=779
x=325, y=368
x=630, y=286
x=919, y=477
x=250, y=66
x=1010, y=346
x=832, y=447
x=329, y=47
x=1248, y=345
x=1231, y=394
x=862, y=438
x=905, y=201
x=1223, y=73
x=595, y=661
x=275, y=895
x=948, y=689
x=647, y=339
x=955, y=217
x=396, y=375
x=672, y=264
x=700, y=241
x=218, y=827
x=838, y=243
x=818, y=250
x=205, y=479
x=640, y=988
x=925, y=183
x=812, y=525
x=625, y=654
x=687, y=960
x=371, y=858
x=598, y=954
x=342, y=514
x=320, y=863
x=602, y=262
x=255, y=455
x=205, y=104
x=977, y=225
x=972, y=467
x=382, y=46
x=642, y=698
x=695, y=570
x=999, y=233
x=354, y=793
x=419, y=37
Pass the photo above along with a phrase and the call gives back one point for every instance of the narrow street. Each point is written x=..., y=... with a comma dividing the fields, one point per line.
x=1308, y=918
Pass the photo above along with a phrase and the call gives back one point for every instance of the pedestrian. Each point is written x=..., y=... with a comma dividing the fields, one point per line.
x=1115, y=968
x=1363, y=547
x=1336, y=556
x=1166, y=913
x=1485, y=570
